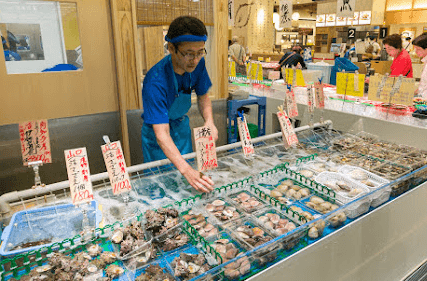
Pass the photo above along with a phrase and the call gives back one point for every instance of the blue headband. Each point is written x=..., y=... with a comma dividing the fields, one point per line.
x=186, y=38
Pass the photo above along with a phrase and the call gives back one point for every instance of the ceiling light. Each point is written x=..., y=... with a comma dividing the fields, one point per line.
x=295, y=16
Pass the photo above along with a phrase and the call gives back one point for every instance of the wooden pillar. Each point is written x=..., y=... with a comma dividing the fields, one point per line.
x=220, y=78
x=123, y=14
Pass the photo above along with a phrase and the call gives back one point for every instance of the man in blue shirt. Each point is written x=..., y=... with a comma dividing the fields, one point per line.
x=166, y=98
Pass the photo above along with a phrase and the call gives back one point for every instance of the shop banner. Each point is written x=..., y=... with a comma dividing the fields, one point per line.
x=320, y=96
x=245, y=137
x=35, y=141
x=288, y=133
x=78, y=175
x=285, y=13
x=404, y=95
x=346, y=84
x=116, y=167
x=346, y=8
x=230, y=12
x=205, y=149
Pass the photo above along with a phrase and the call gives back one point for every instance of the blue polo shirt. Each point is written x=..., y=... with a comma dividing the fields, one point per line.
x=159, y=88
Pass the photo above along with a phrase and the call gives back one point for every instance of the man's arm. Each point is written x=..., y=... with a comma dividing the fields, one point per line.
x=162, y=132
x=205, y=108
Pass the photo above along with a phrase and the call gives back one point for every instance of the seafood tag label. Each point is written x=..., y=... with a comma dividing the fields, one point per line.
x=320, y=96
x=310, y=101
x=247, y=145
x=116, y=167
x=205, y=149
x=291, y=104
x=78, y=175
x=289, y=136
x=35, y=141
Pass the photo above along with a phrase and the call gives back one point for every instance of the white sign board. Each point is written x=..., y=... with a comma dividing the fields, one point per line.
x=116, y=167
x=346, y=8
x=205, y=149
x=245, y=137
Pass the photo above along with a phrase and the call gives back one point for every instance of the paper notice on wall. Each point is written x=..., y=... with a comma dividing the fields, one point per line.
x=346, y=8
x=116, y=167
x=230, y=12
x=285, y=13
x=245, y=137
x=205, y=149
x=288, y=133
x=78, y=175
x=35, y=141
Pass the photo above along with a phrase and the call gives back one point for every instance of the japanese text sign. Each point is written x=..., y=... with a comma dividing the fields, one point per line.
x=347, y=79
x=346, y=8
x=78, y=175
x=310, y=98
x=289, y=77
x=291, y=104
x=254, y=71
x=320, y=96
x=288, y=133
x=116, y=167
x=232, y=68
x=35, y=141
x=205, y=149
x=247, y=145
x=404, y=94
x=230, y=12
x=285, y=13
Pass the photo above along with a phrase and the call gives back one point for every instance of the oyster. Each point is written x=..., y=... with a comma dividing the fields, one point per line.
x=117, y=236
x=94, y=250
x=154, y=272
x=161, y=220
x=188, y=266
x=114, y=271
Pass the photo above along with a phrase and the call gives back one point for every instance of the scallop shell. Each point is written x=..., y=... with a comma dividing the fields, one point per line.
x=43, y=268
x=92, y=268
x=258, y=231
x=218, y=202
x=316, y=200
x=193, y=268
x=210, y=207
x=117, y=236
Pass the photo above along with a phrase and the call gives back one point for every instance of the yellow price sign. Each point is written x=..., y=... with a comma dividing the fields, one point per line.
x=232, y=68
x=289, y=76
x=350, y=80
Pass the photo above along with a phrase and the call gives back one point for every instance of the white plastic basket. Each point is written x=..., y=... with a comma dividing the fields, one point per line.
x=342, y=196
x=376, y=180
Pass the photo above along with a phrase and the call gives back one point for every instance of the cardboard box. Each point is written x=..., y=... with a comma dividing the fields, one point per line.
x=381, y=67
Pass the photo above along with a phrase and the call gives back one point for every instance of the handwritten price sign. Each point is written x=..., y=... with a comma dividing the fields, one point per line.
x=320, y=96
x=116, y=167
x=205, y=149
x=288, y=133
x=78, y=175
x=247, y=145
x=310, y=102
x=291, y=104
x=35, y=142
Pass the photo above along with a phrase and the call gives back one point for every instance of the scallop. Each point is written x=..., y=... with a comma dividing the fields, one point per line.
x=254, y=203
x=94, y=250
x=193, y=268
x=326, y=205
x=92, y=268
x=114, y=270
x=208, y=227
x=228, y=213
x=287, y=183
x=242, y=235
x=313, y=233
x=218, y=202
x=306, y=173
x=342, y=217
x=275, y=193
x=316, y=200
x=290, y=226
x=290, y=193
x=275, y=218
x=281, y=230
x=220, y=248
x=258, y=232
x=297, y=195
x=296, y=187
x=269, y=224
x=210, y=207
x=359, y=175
x=304, y=192
x=243, y=197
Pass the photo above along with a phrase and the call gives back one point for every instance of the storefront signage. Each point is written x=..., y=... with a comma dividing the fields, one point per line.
x=245, y=137
x=285, y=13
x=320, y=21
x=330, y=20
x=116, y=167
x=205, y=149
x=78, y=175
x=35, y=141
x=345, y=8
x=288, y=133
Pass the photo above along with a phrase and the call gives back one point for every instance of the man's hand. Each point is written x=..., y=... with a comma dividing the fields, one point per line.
x=214, y=130
x=197, y=180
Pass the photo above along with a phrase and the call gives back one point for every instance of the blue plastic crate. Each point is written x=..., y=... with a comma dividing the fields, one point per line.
x=326, y=70
x=54, y=223
x=340, y=65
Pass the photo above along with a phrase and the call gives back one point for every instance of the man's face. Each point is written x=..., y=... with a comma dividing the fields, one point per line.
x=187, y=56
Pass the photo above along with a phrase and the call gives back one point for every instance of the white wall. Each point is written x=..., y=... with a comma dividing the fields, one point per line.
x=36, y=12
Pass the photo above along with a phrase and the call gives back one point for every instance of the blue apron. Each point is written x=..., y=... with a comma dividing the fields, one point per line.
x=179, y=125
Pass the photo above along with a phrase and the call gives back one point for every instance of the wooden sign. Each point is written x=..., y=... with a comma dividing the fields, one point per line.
x=205, y=149
x=344, y=79
x=289, y=77
x=245, y=137
x=291, y=104
x=78, y=175
x=310, y=98
x=404, y=95
x=232, y=68
x=116, y=167
x=320, y=96
x=35, y=141
x=288, y=133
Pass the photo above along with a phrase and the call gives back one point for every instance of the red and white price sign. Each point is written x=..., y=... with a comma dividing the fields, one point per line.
x=247, y=145
x=320, y=96
x=78, y=175
x=35, y=141
x=291, y=104
x=288, y=133
x=205, y=149
x=116, y=167
x=310, y=101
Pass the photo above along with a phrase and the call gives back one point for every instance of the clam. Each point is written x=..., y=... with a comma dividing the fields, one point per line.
x=343, y=185
x=295, y=187
x=316, y=200
x=342, y=217
x=274, y=218
x=282, y=188
x=218, y=202
x=297, y=195
x=313, y=233
x=358, y=175
x=117, y=236
x=306, y=173
x=210, y=207
x=243, y=235
x=269, y=224
x=222, y=241
x=244, y=197
x=263, y=219
x=287, y=183
x=192, y=267
x=228, y=213
x=355, y=192
x=254, y=203
x=208, y=227
x=258, y=231
x=275, y=193
x=368, y=183
x=290, y=193
x=304, y=192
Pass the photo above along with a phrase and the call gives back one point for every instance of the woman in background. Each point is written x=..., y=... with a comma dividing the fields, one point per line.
x=402, y=64
x=420, y=46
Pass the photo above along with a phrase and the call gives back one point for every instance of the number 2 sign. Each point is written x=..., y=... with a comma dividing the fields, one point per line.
x=351, y=33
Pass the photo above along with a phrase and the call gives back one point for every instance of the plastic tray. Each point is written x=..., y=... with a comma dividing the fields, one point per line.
x=412, y=160
x=244, y=206
x=53, y=223
x=393, y=172
x=368, y=162
x=290, y=199
x=160, y=262
x=226, y=204
x=320, y=224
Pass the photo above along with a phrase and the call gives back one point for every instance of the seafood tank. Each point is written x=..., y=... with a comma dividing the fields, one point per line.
x=263, y=210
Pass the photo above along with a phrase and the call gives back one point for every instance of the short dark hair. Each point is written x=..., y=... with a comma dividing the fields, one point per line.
x=186, y=25
x=421, y=41
x=394, y=40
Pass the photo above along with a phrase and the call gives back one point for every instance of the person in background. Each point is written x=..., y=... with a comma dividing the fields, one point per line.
x=376, y=48
x=293, y=58
x=420, y=46
x=166, y=98
x=402, y=64
x=351, y=51
x=238, y=54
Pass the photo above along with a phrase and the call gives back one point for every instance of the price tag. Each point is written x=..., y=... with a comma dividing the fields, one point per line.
x=247, y=146
x=320, y=96
x=259, y=72
x=381, y=89
x=116, y=167
x=78, y=175
x=205, y=149
x=310, y=101
x=35, y=141
x=289, y=76
x=232, y=68
x=251, y=71
x=288, y=134
x=291, y=104
x=348, y=79
x=356, y=82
